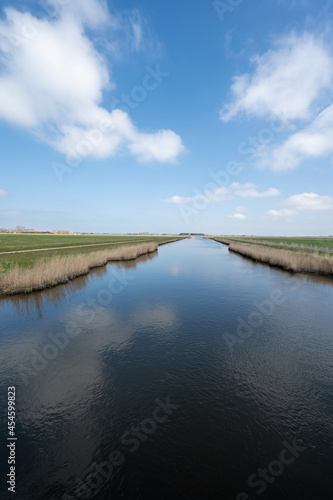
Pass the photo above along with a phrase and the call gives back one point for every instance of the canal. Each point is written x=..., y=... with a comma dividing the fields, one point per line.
x=192, y=374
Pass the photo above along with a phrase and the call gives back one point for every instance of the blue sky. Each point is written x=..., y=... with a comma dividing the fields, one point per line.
x=131, y=116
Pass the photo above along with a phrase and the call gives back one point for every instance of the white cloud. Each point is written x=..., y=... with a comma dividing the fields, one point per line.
x=314, y=141
x=223, y=193
x=90, y=12
x=310, y=201
x=237, y=216
x=179, y=200
x=164, y=145
x=3, y=192
x=253, y=193
x=211, y=196
x=303, y=202
x=284, y=212
x=284, y=82
x=242, y=209
x=131, y=32
x=52, y=82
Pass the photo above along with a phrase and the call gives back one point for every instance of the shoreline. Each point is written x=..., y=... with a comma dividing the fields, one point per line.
x=295, y=262
x=61, y=270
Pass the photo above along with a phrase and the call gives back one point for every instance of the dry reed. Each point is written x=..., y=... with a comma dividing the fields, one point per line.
x=291, y=246
x=290, y=261
x=57, y=270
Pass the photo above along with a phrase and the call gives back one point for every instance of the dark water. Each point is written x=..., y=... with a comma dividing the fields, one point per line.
x=162, y=379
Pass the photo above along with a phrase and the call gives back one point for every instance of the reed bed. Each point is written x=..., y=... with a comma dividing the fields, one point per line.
x=284, y=259
x=291, y=246
x=58, y=269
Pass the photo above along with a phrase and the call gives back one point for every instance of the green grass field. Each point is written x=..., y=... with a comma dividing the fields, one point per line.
x=13, y=242
x=316, y=242
x=308, y=245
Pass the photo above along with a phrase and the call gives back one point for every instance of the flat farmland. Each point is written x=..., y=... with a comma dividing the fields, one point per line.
x=49, y=246
x=296, y=254
x=19, y=242
x=289, y=240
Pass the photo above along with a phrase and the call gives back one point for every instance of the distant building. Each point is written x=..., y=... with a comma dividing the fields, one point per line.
x=191, y=234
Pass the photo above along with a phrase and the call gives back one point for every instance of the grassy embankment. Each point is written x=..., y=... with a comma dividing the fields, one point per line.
x=306, y=255
x=38, y=265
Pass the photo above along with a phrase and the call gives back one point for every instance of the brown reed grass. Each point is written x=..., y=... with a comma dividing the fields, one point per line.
x=284, y=259
x=57, y=270
x=291, y=246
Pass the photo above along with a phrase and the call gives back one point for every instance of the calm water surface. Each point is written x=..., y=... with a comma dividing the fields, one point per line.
x=191, y=374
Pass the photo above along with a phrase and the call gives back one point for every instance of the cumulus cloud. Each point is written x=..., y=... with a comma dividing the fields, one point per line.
x=283, y=83
x=53, y=78
x=303, y=202
x=253, y=193
x=179, y=200
x=209, y=196
x=223, y=193
x=284, y=212
x=310, y=201
x=237, y=216
x=3, y=192
x=313, y=141
x=242, y=209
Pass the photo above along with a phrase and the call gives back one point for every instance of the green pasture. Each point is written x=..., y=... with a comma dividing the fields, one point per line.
x=29, y=242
